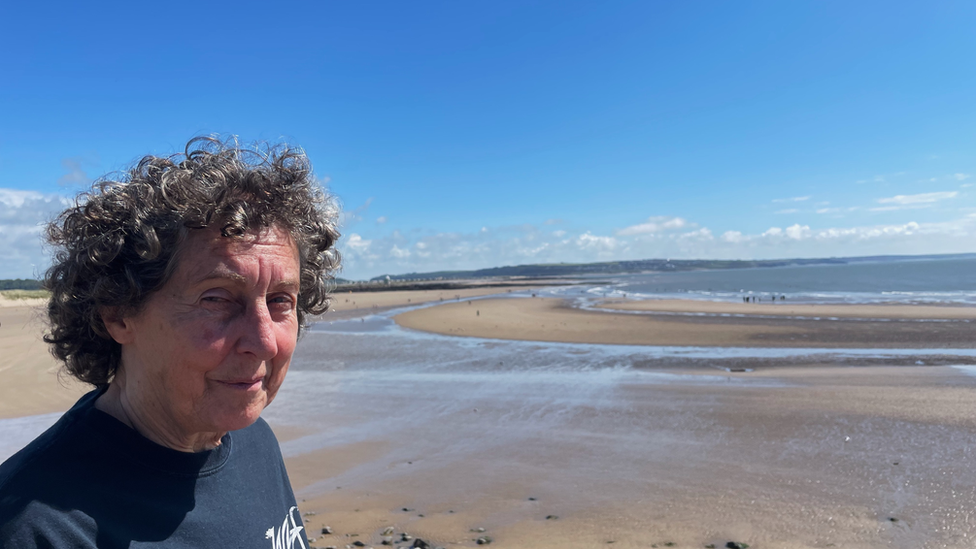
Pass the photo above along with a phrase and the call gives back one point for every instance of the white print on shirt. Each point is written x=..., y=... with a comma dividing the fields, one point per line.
x=290, y=533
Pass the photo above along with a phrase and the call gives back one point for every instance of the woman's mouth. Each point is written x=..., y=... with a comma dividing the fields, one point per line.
x=244, y=385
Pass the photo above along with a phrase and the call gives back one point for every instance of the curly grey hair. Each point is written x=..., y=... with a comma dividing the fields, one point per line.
x=120, y=242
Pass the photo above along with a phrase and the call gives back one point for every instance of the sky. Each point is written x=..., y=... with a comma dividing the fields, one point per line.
x=464, y=135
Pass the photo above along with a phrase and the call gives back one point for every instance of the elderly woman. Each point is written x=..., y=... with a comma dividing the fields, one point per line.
x=179, y=292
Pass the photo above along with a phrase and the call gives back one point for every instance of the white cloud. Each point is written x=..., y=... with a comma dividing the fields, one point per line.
x=923, y=198
x=399, y=253
x=961, y=176
x=381, y=220
x=700, y=234
x=733, y=236
x=357, y=243
x=793, y=199
x=600, y=243
x=559, y=233
x=788, y=211
x=351, y=217
x=797, y=232
x=654, y=225
x=837, y=210
x=74, y=173
x=23, y=215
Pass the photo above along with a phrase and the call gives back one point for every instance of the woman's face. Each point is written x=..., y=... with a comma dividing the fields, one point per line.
x=210, y=349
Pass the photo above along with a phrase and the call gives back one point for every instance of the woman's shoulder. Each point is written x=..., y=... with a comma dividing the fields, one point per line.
x=258, y=439
x=35, y=481
x=58, y=443
x=27, y=524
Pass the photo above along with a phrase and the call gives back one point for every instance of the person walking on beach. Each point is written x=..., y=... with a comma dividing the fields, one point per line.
x=179, y=293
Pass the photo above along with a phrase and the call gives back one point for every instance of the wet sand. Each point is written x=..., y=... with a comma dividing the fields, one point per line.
x=809, y=456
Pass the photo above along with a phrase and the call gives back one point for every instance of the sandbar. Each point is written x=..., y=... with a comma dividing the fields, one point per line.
x=696, y=323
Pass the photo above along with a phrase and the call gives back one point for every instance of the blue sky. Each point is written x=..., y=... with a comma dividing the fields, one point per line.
x=461, y=135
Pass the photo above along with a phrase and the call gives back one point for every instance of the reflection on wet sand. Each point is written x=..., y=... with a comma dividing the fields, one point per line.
x=634, y=445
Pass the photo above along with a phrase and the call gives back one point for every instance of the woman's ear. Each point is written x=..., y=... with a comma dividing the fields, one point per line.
x=117, y=325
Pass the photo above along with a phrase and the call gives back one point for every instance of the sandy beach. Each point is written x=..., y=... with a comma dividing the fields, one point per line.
x=29, y=382
x=560, y=426
x=359, y=303
x=702, y=323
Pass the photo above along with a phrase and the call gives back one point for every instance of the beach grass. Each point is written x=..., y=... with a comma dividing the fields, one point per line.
x=25, y=294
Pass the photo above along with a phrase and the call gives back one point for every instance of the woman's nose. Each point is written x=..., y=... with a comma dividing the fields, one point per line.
x=258, y=337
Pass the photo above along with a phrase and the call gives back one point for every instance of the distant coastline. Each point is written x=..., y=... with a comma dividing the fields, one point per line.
x=550, y=270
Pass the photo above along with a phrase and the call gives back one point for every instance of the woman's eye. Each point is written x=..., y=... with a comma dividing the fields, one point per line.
x=282, y=301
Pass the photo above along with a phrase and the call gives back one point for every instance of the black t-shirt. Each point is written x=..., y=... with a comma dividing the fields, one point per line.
x=91, y=481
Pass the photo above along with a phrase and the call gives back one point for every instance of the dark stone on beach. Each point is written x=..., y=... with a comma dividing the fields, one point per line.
x=551, y=517
x=358, y=543
x=405, y=537
x=737, y=545
x=420, y=544
x=892, y=519
x=388, y=540
x=405, y=510
x=483, y=540
x=326, y=530
x=531, y=499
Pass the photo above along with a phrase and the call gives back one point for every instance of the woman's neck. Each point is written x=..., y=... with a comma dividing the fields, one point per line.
x=135, y=411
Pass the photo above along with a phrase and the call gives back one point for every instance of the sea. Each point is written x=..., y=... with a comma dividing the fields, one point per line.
x=927, y=281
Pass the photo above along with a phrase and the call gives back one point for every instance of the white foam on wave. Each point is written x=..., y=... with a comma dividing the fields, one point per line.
x=967, y=369
x=805, y=297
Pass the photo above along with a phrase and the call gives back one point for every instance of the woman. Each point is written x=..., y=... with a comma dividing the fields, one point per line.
x=179, y=293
